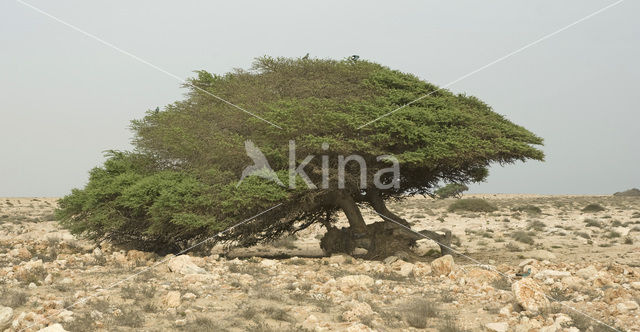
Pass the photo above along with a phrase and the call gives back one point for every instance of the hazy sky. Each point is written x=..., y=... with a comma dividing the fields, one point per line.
x=65, y=98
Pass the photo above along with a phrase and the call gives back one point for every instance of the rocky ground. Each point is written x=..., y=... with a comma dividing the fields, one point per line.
x=585, y=262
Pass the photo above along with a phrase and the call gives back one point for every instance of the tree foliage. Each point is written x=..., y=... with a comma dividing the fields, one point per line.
x=179, y=183
x=451, y=190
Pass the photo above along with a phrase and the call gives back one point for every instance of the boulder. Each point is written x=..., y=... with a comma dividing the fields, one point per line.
x=421, y=269
x=184, y=265
x=443, y=265
x=545, y=274
x=497, y=327
x=53, y=328
x=529, y=295
x=627, y=306
x=402, y=268
x=587, y=273
x=354, y=311
x=171, y=300
x=6, y=314
x=482, y=276
x=354, y=282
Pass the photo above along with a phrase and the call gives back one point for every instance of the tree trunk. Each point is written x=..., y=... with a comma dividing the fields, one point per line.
x=351, y=210
x=378, y=204
x=380, y=239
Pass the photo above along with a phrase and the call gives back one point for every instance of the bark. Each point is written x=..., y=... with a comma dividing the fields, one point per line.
x=381, y=239
x=378, y=204
x=350, y=208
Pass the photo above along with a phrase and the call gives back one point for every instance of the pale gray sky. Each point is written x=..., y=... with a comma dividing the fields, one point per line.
x=65, y=97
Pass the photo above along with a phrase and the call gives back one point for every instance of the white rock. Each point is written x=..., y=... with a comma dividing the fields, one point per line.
x=354, y=282
x=6, y=314
x=443, y=265
x=171, y=300
x=587, y=273
x=402, y=268
x=497, y=327
x=529, y=295
x=544, y=274
x=627, y=306
x=269, y=262
x=525, y=262
x=360, y=251
x=53, y=328
x=635, y=285
x=390, y=259
x=337, y=259
x=354, y=311
x=184, y=265
x=48, y=279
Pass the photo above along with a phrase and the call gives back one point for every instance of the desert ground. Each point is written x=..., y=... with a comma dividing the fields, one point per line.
x=583, y=275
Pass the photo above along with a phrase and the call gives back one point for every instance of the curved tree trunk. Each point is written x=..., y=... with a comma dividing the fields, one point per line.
x=375, y=199
x=348, y=205
x=380, y=239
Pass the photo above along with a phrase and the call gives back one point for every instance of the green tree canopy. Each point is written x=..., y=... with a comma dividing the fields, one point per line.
x=180, y=182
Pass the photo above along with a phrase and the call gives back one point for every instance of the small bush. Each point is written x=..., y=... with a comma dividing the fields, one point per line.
x=472, y=205
x=203, y=324
x=512, y=247
x=592, y=208
x=630, y=192
x=612, y=234
x=593, y=223
x=417, y=312
x=537, y=225
x=451, y=190
x=502, y=283
x=531, y=209
x=130, y=318
x=583, y=235
x=522, y=236
x=628, y=240
x=13, y=298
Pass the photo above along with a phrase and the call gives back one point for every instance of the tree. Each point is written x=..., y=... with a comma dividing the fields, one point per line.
x=451, y=190
x=180, y=184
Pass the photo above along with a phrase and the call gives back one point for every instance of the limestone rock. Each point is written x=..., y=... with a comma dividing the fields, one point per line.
x=337, y=259
x=171, y=300
x=529, y=295
x=497, y=327
x=587, y=273
x=443, y=265
x=6, y=314
x=184, y=265
x=360, y=251
x=354, y=282
x=545, y=274
x=627, y=306
x=421, y=270
x=402, y=268
x=354, y=311
x=23, y=254
x=53, y=328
